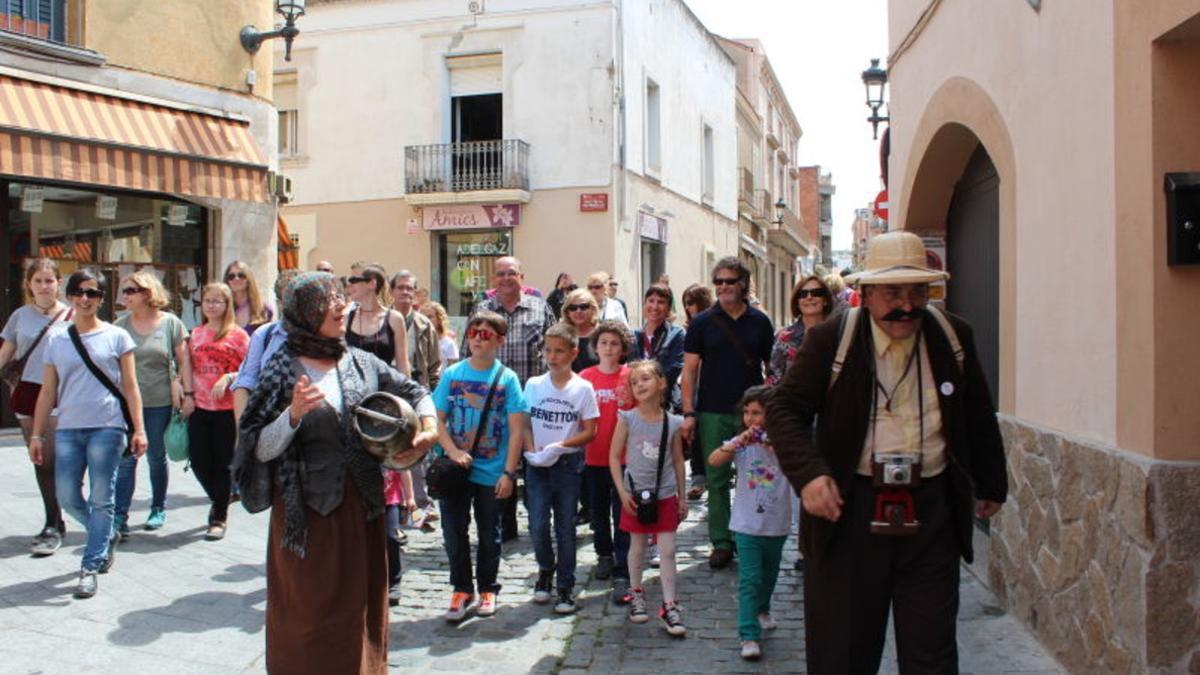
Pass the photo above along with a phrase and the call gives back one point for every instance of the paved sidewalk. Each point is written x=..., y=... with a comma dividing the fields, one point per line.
x=176, y=603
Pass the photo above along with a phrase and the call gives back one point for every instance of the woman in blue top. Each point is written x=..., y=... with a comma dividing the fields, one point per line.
x=91, y=425
x=660, y=339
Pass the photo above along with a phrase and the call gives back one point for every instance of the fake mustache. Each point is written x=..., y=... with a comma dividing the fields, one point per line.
x=901, y=315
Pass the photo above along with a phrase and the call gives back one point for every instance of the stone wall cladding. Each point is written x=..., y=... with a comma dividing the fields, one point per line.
x=1098, y=551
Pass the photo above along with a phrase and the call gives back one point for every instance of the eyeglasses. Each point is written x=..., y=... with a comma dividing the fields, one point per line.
x=90, y=293
x=214, y=301
x=355, y=280
x=508, y=273
x=812, y=293
x=480, y=333
x=132, y=290
x=325, y=269
x=726, y=281
x=403, y=287
x=235, y=275
x=913, y=293
x=613, y=284
x=595, y=287
x=577, y=308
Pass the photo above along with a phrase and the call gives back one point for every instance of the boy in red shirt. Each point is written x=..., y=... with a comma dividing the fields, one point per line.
x=611, y=341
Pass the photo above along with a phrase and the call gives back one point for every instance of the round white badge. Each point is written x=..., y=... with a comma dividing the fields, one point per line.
x=947, y=389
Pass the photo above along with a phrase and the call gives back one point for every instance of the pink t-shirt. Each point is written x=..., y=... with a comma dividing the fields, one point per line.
x=612, y=394
x=212, y=359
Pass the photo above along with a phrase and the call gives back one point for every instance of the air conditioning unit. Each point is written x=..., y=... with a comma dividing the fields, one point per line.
x=280, y=186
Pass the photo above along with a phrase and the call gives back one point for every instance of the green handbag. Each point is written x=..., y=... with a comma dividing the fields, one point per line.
x=176, y=437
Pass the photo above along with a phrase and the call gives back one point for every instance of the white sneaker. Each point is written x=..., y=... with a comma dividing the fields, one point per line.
x=655, y=557
x=751, y=651
x=766, y=622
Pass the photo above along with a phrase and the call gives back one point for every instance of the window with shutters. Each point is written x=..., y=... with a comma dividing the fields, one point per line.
x=289, y=133
x=44, y=19
x=653, y=127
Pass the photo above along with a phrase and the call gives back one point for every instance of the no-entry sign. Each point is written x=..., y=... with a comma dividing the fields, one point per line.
x=881, y=204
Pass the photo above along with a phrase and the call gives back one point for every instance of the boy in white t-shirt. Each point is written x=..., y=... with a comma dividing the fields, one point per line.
x=562, y=417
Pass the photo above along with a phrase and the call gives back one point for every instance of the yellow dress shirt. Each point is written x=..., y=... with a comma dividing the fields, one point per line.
x=899, y=430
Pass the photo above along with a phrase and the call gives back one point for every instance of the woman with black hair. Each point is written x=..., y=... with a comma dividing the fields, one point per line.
x=563, y=285
x=89, y=375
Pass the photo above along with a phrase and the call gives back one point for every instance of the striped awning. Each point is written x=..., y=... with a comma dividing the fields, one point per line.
x=59, y=133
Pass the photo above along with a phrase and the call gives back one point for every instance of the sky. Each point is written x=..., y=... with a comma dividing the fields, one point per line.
x=818, y=50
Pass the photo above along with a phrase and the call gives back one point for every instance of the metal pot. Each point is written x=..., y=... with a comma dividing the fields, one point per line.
x=387, y=424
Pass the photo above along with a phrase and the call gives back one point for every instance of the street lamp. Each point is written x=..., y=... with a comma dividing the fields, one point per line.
x=291, y=10
x=779, y=207
x=875, y=80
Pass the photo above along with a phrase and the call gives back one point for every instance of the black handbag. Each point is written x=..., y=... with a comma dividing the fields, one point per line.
x=445, y=477
x=647, y=502
x=73, y=332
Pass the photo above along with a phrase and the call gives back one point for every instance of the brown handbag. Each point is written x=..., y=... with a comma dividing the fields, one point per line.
x=11, y=373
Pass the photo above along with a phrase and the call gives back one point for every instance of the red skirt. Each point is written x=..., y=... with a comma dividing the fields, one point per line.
x=668, y=519
x=24, y=397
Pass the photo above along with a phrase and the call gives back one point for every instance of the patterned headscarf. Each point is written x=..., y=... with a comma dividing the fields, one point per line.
x=305, y=304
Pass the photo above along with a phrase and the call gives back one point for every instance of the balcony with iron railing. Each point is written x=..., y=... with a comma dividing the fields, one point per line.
x=481, y=171
x=764, y=205
x=746, y=203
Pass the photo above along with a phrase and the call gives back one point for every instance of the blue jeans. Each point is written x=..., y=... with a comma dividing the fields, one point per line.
x=156, y=419
x=555, y=489
x=456, y=519
x=609, y=540
x=98, y=452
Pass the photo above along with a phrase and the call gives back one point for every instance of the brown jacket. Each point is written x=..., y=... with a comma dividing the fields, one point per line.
x=974, y=448
x=425, y=360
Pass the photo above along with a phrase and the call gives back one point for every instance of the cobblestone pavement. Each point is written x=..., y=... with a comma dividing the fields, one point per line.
x=176, y=603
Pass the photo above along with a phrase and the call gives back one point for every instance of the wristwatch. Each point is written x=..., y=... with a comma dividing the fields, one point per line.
x=691, y=413
x=511, y=476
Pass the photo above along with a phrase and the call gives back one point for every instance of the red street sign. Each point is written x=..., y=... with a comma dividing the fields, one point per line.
x=593, y=201
x=881, y=204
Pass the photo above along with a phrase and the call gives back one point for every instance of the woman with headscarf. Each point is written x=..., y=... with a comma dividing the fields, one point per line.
x=327, y=577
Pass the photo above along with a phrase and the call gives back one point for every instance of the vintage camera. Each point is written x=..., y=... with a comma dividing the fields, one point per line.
x=896, y=470
x=894, y=475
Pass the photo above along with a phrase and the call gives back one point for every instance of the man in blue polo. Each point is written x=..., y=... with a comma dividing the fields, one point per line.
x=726, y=349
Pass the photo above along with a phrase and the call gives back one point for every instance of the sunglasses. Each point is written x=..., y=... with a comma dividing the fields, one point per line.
x=356, y=280
x=724, y=281
x=132, y=290
x=235, y=275
x=595, y=287
x=577, y=308
x=91, y=293
x=480, y=333
x=812, y=293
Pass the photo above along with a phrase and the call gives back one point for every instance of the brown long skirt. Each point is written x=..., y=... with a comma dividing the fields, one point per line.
x=328, y=612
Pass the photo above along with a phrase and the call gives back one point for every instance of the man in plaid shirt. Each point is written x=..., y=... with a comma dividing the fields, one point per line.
x=529, y=317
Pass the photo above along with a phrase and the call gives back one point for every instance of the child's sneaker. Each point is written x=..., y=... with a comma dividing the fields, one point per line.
x=672, y=619
x=620, y=591
x=751, y=651
x=637, y=606
x=655, y=557
x=766, y=622
x=565, y=604
x=460, y=604
x=487, y=604
x=545, y=585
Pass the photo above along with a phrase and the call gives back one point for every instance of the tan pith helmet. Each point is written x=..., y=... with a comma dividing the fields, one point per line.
x=896, y=257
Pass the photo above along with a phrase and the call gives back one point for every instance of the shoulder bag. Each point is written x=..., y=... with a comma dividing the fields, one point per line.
x=108, y=384
x=444, y=476
x=751, y=362
x=647, y=503
x=12, y=371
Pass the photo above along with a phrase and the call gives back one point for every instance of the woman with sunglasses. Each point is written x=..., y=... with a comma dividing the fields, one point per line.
x=607, y=308
x=371, y=325
x=160, y=352
x=249, y=308
x=812, y=302
x=218, y=347
x=580, y=311
x=327, y=603
x=25, y=336
x=91, y=432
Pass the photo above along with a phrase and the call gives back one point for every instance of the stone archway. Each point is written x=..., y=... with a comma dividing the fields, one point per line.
x=958, y=119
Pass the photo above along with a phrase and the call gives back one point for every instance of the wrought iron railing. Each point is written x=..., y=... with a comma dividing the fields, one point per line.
x=463, y=167
x=43, y=19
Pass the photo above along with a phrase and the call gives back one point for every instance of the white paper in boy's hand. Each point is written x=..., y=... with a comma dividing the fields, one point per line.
x=548, y=455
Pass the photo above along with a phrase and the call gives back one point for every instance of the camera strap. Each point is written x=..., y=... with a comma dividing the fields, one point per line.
x=662, y=453
x=879, y=388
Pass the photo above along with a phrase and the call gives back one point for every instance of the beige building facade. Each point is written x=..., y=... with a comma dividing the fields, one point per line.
x=578, y=136
x=1037, y=139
